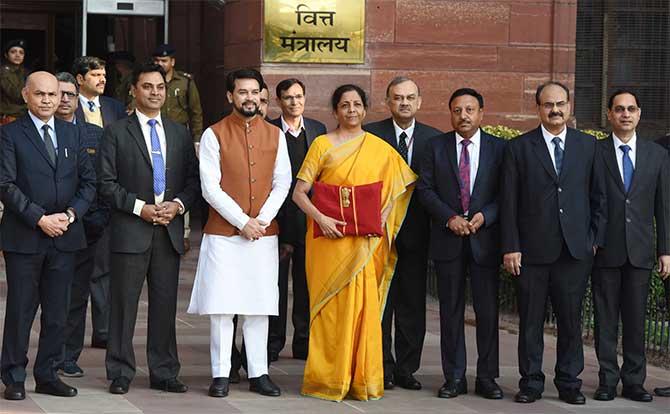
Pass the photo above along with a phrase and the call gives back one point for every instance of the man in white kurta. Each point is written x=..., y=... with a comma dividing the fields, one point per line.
x=245, y=175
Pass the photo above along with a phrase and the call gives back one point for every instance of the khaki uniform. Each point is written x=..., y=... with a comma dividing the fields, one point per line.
x=12, y=80
x=182, y=103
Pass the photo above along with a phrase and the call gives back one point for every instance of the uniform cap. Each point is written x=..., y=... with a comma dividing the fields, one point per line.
x=164, y=50
x=14, y=43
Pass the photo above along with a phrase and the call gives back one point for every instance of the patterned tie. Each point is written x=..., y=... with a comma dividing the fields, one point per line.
x=49, y=144
x=464, y=175
x=91, y=106
x=93, y=116
x=157, y=159
x=402, y=146
x=558, y=154
x=628, y=168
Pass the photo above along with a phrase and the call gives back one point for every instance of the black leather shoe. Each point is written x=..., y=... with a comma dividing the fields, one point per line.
x=408, y=382
x=572, y=397
x=120, y=385
x=234, y=376
x=662, y=391
x=57, y=388
x=171, y=385
x=605, y=393
x=273, y=356
x=389, y=384
x=453, y=388
x=15, y=391
x=527, y=396
x=636, y=393
x=99, y=343
x=264, y=386
x=302, y=355
x=219, y=387
x=488, y=388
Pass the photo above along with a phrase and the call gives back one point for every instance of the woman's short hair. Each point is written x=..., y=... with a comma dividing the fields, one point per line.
x=341, y=90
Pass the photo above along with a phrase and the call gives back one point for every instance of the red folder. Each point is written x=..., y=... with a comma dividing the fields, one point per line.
x=359, y=206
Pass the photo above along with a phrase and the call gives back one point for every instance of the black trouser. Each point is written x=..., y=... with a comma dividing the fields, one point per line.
x=300, y=312
x=33, y=280
x=620, y=291
x=406, y=309
x=91, y=277
x=565, y=282
x=484, y=281
x=160, y=266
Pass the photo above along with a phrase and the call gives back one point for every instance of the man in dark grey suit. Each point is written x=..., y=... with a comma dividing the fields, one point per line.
x=93, y=107
x=406, y=302
x=459, y=187
x=148, y=173
x=637, y=183
x=552, y=219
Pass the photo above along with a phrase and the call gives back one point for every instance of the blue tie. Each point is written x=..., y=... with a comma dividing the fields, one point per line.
x=628, y=168
x=91, y=106
x=157, y=159
x=558, y=154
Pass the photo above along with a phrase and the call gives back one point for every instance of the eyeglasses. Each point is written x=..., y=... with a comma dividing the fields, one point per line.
x=619, y=109
x=288, y=98
x=550, y=105
x=70, y=95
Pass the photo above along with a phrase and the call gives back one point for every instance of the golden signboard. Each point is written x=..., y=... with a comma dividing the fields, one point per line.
x=314, y=31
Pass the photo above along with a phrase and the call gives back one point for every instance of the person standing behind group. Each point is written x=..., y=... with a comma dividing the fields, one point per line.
x=95, y=108
x=552, y=217
x=637, y=183
x=459, y=186
x=406, y=303
x=348, y=277
x=12, y=81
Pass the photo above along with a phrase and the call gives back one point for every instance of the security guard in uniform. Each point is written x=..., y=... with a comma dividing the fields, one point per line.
x=12, y=81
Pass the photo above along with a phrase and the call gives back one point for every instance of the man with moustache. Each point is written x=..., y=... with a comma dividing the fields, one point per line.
x=47, y=183
x=459, y=187
x=148, y=174
x=264, y=102
x=246, y=175
x=299, y=131
x=552, y=220
x=92, y=269
x=406, y=302
x=637, y=184
x=95, y=108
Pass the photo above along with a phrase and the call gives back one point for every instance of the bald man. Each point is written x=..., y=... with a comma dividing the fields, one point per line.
x=46, y=184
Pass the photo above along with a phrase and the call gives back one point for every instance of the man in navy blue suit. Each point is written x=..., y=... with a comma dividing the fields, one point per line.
x=47, y=183
x=93, y=107
x=459, y=188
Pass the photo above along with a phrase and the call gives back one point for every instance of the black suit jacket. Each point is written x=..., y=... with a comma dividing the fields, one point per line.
x=31, y=186
x=125, y=174
x=414, y=231
x=292, y=221
x=112, y=110
x=439, y=192
x=630, y=216
x=541, y=211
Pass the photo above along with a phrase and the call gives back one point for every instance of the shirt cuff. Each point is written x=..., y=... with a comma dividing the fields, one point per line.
x=182, y=208
x=139, y=204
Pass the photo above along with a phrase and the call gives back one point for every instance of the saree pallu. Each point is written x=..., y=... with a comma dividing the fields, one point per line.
x=348, y=278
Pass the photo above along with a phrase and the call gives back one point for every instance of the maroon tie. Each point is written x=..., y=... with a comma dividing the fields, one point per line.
x=464, y=175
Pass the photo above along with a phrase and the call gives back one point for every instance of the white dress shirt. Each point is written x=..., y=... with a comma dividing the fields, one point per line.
x=286, y=128
x=548, y=137
x=473, y=151
x=409, y=141
x=52, y=129
x=619, y=154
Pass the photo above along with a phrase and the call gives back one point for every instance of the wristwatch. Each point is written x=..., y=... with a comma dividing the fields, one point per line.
x=71, y=216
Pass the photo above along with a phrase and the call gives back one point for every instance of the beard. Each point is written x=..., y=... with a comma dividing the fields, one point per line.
x=247, y=112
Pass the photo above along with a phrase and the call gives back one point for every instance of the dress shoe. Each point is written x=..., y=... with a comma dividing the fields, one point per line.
x=120, y=385
x=234, y=376
x=302, y=355
x=636, y=393
x=453, y=388
x=604, y=393
x=408, y=382
x=99, y=343
x=15, y=391
x=57, y=388
x=264, y=386
x=219, y=387
x=389, y=384
x=71, y=369
x=527, y=396
x=273, y=356
x=572, y=397
x=488, y=388
x=170, y=385
x=662, y=392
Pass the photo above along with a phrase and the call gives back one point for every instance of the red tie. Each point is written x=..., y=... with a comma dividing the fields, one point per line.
x=464, y=175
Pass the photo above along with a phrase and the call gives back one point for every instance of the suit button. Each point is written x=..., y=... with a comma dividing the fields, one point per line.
x=560, y=190
x=253, y=197
x=627, y=201
x=252, y=163
x=560, y=210
x=251, y=146
x=253, y=180
x=627, y=220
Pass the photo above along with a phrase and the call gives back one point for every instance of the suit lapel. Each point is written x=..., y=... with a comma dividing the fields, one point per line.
x=571, y=153
x=136, y=133
x=35, y=138
x=389, y=133
x=540, y=148
x=171, y=150
x=450, y=143
x=309, y=132
x=610, y=161
x=640, y=167
x=484, y=160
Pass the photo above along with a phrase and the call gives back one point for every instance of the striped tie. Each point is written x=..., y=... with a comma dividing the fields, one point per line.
x=157, y=160
x=558, y=154
x=464, y=175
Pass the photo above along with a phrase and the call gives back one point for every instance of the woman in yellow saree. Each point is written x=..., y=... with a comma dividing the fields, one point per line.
x=348, y=276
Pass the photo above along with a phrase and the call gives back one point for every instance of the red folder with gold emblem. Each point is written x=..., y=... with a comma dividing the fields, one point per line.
x=357, y=205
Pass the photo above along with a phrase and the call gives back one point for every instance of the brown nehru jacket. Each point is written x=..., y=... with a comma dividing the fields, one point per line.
x=248, y=153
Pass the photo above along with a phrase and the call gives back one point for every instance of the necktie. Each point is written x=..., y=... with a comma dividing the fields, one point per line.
x=558, y=154
x=464, y=175
x=157, y=159
x=91, y=106
x=628, y=168
x=93, y=116
x=49, y=144
x=402, y=146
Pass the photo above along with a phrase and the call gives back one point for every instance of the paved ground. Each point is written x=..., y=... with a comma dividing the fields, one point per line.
x=193, y=340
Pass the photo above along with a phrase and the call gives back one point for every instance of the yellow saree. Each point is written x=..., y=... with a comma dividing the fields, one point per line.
x=348, y=278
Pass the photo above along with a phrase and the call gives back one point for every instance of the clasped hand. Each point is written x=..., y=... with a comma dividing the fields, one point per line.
x=462, y=227
x=54, y=225
x=160, y=214
x=254, y=229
